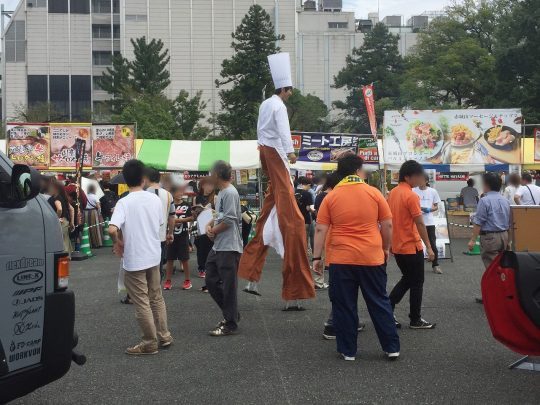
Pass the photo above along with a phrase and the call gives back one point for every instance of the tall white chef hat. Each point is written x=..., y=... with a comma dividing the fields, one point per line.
x=280, y=66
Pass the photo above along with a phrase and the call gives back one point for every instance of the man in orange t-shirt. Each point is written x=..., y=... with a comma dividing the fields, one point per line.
x=409, y=232
x=358, y=222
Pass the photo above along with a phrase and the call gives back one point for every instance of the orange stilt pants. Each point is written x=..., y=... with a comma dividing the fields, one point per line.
x=297, y=278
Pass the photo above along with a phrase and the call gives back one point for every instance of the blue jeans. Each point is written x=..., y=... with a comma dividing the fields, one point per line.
x=345, y=280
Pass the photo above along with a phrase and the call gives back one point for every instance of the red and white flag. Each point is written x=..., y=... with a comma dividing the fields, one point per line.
x=369, y=98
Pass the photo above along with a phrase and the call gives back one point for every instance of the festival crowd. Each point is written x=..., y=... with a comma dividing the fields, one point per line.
x=336, y=233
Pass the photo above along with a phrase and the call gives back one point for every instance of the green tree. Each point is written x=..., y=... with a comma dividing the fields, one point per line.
x=518, y=60
x=246, y=75
x=152, y=113
x=376, y=61
x=116, y=81
x=148, y=70
x=38, y=112
x=459, y=73
x=307, y=113
x=188, y=112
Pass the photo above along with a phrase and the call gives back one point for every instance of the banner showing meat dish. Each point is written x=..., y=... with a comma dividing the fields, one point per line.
x=63, y=138
x=325, y=148
x=112, y=145
x=28, y=144
x=453, y=136
x=368, y=150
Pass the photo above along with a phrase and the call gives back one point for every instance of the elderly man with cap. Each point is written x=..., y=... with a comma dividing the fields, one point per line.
x=281, y=225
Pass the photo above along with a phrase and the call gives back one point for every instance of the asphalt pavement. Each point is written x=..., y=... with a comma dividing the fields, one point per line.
x=280, y=357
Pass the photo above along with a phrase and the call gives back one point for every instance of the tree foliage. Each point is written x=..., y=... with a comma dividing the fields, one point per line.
x=116, y=81
x=152, y=113
x=137, y=89
x=188, y=113
x=377, y=61
x=245, y=77
x=307, y=113
x=149, y=74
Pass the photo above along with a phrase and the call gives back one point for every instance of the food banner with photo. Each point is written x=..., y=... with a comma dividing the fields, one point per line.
x=63, y=138
x=453, y=137
x=112, y=145
x=28, y=144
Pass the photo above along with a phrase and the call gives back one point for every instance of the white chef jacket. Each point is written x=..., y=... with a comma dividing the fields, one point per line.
x=273, y=128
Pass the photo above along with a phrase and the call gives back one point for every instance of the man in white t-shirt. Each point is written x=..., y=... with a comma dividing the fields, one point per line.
x=152, y=177
x=527, y=193
x=134, y=229
x=429, y=202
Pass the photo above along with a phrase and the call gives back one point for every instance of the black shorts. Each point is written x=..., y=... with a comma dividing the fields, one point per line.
x=179, y=249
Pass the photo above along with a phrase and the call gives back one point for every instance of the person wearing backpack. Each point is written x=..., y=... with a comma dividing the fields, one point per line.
x=108, y=201
x=527, y=193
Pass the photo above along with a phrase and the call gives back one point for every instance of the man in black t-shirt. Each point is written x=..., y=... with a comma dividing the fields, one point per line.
x=305, y=203
x=179, y=249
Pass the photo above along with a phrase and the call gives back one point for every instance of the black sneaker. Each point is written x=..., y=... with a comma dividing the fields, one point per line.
x=221, y=331
x=421, y=324
x=329, y=332
x=398, y=325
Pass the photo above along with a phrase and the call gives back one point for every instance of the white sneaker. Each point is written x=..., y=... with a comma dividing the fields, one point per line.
x=347, y=358
x=437, y=270
x=392, y=356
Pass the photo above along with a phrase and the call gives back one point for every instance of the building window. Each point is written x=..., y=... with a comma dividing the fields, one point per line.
x=102, y=58
x=96, y=83
x=58, y=6
x=37, y=3
x=80, y=99
x=79, y=7
x=101, y=31
x=59, y=94
x=16, y=42
x=335, y=25
x=104, y=31
x=136, y=17
x=37, y=89
x=104, y=6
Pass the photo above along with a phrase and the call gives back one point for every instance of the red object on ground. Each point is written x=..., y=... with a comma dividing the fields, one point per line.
x=509, y=323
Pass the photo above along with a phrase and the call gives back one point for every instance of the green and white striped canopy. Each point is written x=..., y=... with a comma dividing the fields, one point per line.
x=197, y=155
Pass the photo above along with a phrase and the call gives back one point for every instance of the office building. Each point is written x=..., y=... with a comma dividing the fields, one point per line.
x=55, y=50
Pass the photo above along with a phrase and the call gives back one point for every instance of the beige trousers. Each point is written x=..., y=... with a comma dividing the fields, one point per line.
x=491, y=245
x=144, y=289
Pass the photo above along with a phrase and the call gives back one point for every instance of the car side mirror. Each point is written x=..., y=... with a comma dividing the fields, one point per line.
x=24, y=185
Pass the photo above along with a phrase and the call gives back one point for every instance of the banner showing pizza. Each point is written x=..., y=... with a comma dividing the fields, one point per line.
x=63, y=138
x=112, y=145
x=28, y=144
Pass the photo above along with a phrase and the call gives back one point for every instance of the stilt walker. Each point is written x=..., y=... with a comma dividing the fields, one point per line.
x=280, y=225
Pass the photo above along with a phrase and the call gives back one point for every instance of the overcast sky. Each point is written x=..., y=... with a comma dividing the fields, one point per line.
x=363, y=7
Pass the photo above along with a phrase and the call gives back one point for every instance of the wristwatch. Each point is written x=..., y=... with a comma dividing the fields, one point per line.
x=316, y=258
